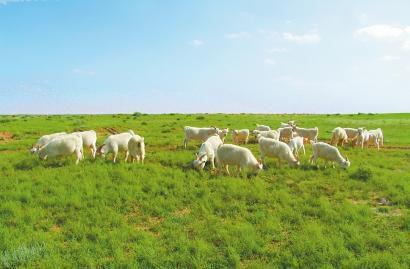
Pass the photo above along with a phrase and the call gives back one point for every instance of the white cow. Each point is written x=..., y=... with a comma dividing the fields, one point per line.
x=285, y=133
x=328, y=153
x=207, y=152
x=241, y=157
x=62, y=145
x=195, y=133
x=116, y=143
x=262, y=127
x=339, y=136
x=277, y=149
x=296, y=144
x=223, y=133
x=239, y=136
x=136, y=148
x=42, y=141
x=307, y=133
x=89, y=140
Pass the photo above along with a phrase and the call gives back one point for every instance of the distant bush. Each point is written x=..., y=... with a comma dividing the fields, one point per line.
x=200, y=118
x=362, y=173
x=144, y=123
x=137, y=114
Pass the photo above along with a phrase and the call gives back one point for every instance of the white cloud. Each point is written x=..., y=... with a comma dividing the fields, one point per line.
x=276, y=50
x=269, y=61
x=83, y=72
x=196, y=43
x=309, y=38
x=389, y=58
x=238, y=35
x=382, y=31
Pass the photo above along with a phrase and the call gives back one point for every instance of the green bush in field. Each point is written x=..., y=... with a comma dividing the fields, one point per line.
x=164, y=214
x=362, y=173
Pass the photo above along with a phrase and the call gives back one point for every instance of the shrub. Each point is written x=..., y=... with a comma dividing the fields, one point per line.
x=362, y=173
x=137, y=114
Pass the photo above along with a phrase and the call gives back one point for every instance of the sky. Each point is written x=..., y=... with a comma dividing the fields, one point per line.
x=152, y=56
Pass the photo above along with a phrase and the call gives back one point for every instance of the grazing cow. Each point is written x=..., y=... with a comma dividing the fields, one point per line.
x=42, y=141
x=339, y=136
x=62, y=145
x=239, y=136
x=296, y=144
x=195, y=133
x=241, y=157
x=207, y=152
x=116, y=143
x=89, y=140
x=328, y=153
x=277, y=149
x=136, y=148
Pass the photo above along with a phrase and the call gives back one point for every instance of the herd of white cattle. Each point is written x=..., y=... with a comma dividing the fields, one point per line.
x=283, y=144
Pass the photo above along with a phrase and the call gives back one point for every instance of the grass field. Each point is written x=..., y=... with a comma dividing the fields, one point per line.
x=163, y=214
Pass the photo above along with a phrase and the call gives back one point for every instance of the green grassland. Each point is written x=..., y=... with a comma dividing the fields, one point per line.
x=163, y=214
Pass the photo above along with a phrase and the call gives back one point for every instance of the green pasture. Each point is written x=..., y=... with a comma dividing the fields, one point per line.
x=163, y=214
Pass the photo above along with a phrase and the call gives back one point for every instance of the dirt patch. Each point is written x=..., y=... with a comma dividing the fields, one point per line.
x=395, y=147
x=357, y=202
x=149, y=225
x=55, y=229
x=6, y=137
x=182, y=212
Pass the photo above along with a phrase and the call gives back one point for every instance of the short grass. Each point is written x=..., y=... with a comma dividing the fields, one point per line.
x=163, y=214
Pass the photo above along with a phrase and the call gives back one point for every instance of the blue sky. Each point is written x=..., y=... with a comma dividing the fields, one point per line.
x=80, y=56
